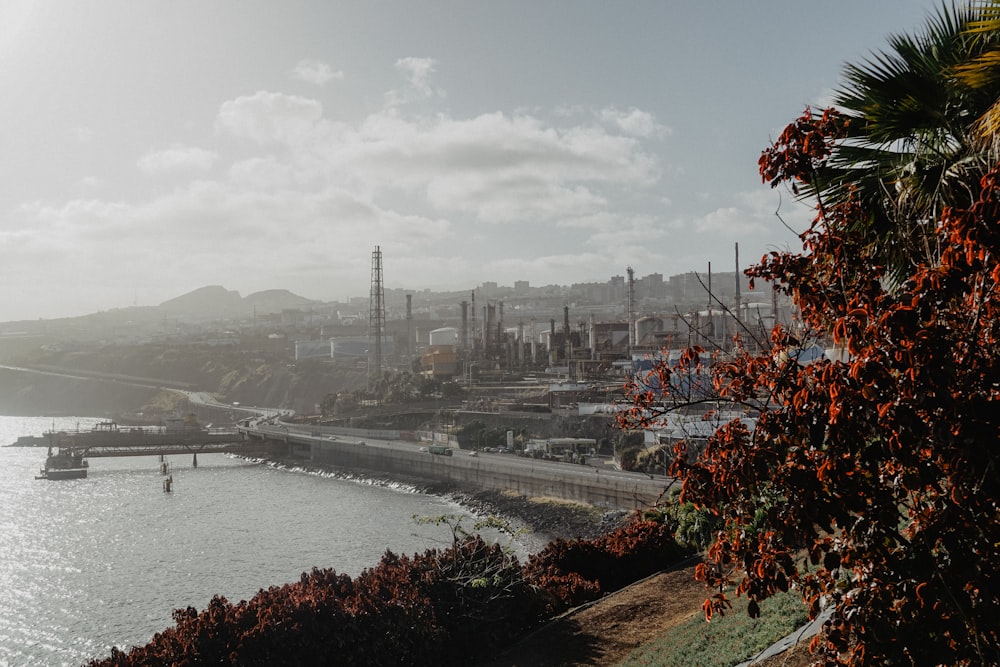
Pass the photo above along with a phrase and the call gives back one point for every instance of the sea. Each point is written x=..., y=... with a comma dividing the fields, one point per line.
x=102, y=562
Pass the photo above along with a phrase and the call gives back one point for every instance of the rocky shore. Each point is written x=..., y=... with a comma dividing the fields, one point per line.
x=544, y=519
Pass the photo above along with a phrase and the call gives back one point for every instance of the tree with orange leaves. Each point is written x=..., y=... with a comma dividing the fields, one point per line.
x=870, y=484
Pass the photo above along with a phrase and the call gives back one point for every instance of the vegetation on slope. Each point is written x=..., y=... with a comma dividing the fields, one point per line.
x=882, y=462
x=454, y=606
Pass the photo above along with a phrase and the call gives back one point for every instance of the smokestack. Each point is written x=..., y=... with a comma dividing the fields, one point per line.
x=567, y=345
x=464, y=335
x=630, y=315
x=592, y=338
x=409, y=322
x=710, y=288
x=737, y=282
x=552, y=341
x=534, y=343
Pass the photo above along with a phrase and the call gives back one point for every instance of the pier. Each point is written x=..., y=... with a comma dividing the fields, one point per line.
x=401, y=455
x=107, y=439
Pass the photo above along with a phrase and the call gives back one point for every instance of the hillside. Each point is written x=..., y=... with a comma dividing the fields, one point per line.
x=607, y=631
x=258, y=374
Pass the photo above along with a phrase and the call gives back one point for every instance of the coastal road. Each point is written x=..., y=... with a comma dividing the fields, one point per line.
x=494, y=461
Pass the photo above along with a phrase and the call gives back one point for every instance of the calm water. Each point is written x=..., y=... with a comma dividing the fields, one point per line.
x=100, y=562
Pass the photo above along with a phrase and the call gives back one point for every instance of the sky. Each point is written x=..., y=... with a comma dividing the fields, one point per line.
x=150, y=148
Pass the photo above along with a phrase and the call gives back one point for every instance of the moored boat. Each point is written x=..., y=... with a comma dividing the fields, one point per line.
x=64, y=464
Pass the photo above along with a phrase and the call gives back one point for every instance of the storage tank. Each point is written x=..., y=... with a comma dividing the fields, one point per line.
x=444, y=336
x=644, y=326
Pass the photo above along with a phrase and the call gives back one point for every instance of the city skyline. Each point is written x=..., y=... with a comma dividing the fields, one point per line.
x=154, y=148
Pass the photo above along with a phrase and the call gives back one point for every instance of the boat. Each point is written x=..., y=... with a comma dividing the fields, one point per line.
x=64, y=464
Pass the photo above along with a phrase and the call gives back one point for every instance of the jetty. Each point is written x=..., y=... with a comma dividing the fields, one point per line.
x=107, y=439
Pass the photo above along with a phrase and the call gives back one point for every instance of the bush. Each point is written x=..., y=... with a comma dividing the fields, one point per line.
x=451, y=607
x=447, y=607
x=577, y=571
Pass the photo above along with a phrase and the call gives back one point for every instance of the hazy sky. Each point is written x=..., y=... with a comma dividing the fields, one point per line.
x=151, y=147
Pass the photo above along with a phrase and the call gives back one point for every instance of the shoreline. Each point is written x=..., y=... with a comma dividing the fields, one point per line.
x=536, y=521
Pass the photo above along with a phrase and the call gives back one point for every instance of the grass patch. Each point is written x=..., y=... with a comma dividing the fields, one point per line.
x=725, y=640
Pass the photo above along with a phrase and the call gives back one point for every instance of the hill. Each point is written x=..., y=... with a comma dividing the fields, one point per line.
x=215, y=301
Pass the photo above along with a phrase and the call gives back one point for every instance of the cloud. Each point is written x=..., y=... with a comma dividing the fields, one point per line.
x=634, y=122
x=751, y=213
x=500, y=168
x=262, y=173
x=270, y=118
x=417, y=73
x=315, y=72
x=494, y=167
x=301, y=198
x=299, y=240
x=89, y=183
x=177, y=158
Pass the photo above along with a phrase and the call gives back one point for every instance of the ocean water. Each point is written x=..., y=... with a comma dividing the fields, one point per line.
x=90, y=564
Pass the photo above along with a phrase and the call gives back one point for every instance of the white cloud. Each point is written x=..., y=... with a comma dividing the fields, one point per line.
x=315, y=72
x=753, y=213
x=495, y=167
x=270, y=118
x=634, y=122
x=177, y=158
x=302, y=198
x=417, y=73
x=287, y=238
x=89, y=183
x=262, y=173
x=499, y=167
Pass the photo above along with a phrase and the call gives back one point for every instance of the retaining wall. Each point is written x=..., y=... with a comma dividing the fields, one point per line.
x=523, y=476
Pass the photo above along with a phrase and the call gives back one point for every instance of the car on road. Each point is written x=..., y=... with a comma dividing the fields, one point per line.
x=423, y=449
x=473, y=453
x=331, y=437
x=361, y=442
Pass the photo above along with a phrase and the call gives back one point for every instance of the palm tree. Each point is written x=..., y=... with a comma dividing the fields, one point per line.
x=910, y=148
x=983, y=71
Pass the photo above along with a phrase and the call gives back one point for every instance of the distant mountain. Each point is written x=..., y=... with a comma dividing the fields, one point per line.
x=277, y=300
x=216, y=301
x=212, y=297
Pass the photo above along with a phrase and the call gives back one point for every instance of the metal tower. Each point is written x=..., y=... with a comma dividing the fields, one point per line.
x=376, y=318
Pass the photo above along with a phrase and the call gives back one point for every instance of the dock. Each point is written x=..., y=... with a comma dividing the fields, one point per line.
x=107, y=439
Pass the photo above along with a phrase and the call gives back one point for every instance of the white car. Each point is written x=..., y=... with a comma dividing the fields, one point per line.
x=423, y=449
